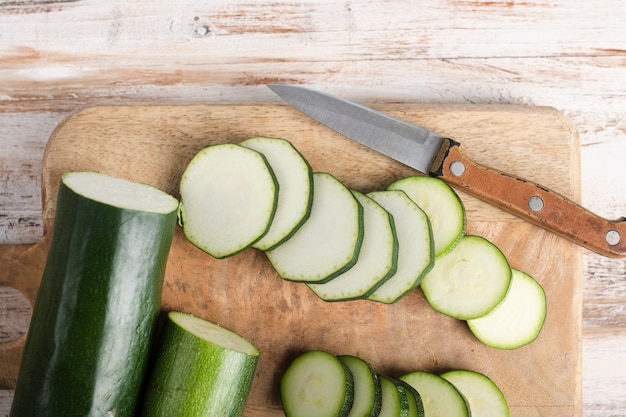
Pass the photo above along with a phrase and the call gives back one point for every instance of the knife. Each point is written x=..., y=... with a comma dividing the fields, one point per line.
x=443, y=157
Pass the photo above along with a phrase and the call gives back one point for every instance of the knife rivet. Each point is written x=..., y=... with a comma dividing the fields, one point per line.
x=535, y=203
x=457, y=168
x=612, y=237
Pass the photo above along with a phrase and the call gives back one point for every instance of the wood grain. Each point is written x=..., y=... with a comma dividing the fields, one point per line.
x=152, y=144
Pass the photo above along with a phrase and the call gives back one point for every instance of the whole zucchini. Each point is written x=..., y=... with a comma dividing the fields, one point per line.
x=94, y=319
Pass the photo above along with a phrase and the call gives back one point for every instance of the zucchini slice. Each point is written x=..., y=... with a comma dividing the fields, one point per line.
x=228, y=199
x=377, y=261
x=394, y=402
x=443, y=206
x=469, y=281
x=415, y=245
x=440, y=397
x=317, y=384
x=295, y=178
x=201, y=370
x=518, y=320
x=94, y=319
x=367, y=390
x=328, y=243
x=482, y=395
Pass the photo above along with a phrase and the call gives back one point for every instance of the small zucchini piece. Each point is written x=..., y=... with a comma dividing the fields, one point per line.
x=317, y=384
x=328, y=243
x=518, y=319
x=201, y=370
x=295, y=181
x=415, y=245
x=377, y=261
x=228, y=197
x=482, y=395
x=443, y=206
x=440, y=397
x=94, y=319
x=367, y=390
x=394, y=401
x=469, y=281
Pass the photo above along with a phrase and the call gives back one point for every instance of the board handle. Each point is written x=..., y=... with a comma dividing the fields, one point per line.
x=531, y=202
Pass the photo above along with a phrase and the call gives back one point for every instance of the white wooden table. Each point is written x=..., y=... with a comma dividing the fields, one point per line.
x=59, y=56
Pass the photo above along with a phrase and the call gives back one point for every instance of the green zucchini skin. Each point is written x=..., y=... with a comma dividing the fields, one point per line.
x=94, y=319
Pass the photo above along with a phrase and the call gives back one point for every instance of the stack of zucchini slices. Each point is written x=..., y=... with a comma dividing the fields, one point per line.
x=347, y=245
x=319, y=384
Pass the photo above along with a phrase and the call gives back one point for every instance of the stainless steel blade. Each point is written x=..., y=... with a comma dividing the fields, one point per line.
x=410, y=144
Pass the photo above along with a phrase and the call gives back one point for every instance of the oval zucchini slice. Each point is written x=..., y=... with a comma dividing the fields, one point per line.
x=367, y=391
x=201, y=370
x=317, y=384
x=469, y=281
x=295, y=181
x=518, y=320
x=483, y=396
x=228, y=199
x=94, y=319
x=328, y=243
x=440, y=397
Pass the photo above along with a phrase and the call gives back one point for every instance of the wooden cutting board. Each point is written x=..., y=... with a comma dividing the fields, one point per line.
x=153, y=143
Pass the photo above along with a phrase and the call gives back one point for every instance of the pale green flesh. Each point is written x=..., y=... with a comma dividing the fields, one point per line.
x=377, y=257
x=484, y=397
x=518, y=320
x=391, y=404
x=415, y=250
x=316, y=384
x=442, y=205
x=439, y=397
x=328, y=243
x=469, y=281
x=294, y=177
x=228, y=199
x=367, y=390
x=120, y=193
x=213, y=333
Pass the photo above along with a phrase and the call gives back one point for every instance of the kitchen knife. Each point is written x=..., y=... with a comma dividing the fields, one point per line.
x=442, y=157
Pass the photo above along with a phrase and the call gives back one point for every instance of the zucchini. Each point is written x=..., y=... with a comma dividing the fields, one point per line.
x=469, y=281
x=415, y=245
x=377, y=258
x=481, y=394
x=201, y=370
x=442, y=205
x=440, y=397
x=317, y=384
x=416, y=407
x=395, y=402
x=328, y=243
x=518, y=320
x=229, y=195
x=94, y=319
x=295, y=178
x=367, y=390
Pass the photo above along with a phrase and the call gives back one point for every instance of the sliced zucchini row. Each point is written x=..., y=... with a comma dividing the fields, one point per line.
x=518, y=320
x=415, y=245
x=328, y=244
x=228, y=199
x=442, y=205
x=377, y=258
x=295, y=178
x=469, y=281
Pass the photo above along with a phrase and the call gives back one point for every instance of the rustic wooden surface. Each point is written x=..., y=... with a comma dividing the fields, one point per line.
x=58, y=56
x=153, y=144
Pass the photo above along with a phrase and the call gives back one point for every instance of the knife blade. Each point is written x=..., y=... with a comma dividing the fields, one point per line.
x=442, y=157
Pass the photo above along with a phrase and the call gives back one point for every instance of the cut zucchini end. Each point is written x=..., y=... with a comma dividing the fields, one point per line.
x=470, y=281
x=518, y=320
x=120, y=193
x=481, y=393
x=317, y=384
x=213, y=333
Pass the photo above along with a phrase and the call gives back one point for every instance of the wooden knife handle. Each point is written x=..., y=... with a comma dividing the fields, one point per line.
x=531, y=202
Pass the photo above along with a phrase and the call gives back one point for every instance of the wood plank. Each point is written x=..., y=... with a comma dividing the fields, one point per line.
x=153, y=143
